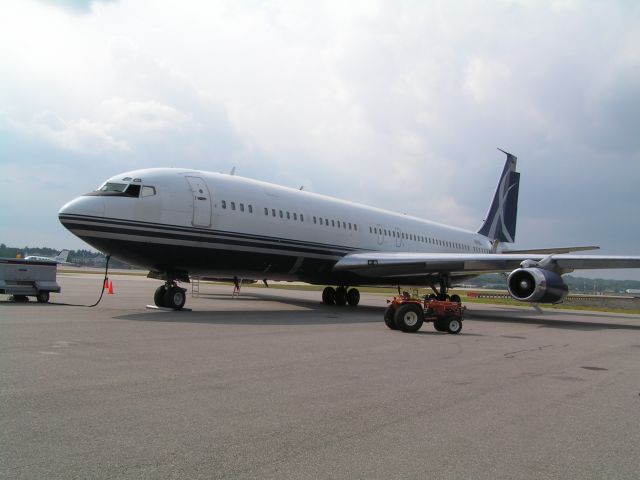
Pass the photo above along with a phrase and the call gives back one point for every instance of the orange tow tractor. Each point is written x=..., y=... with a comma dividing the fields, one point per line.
x=408, y=313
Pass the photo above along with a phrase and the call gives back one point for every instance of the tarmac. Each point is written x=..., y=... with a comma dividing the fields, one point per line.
x=275, y=385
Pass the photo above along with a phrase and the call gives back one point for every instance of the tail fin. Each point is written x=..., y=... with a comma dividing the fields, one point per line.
x=500, y=223
x=62, y=256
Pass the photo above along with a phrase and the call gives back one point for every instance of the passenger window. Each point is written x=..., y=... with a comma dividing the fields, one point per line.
x=266, y=211
x=242, y=207
x=288, y=216
x=314, y=220
x=295, y=216
x=273, y=212
x=281, y=216
x=301, y=218
x=344, y=225
x=333, y=224
x=250, y=209
x=224, y=204
x=326, y=222
x=148, y=191
x=355, y=227
x=233, y=205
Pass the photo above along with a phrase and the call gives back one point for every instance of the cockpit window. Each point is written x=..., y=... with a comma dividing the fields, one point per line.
x=113, y=187
x=148, y=191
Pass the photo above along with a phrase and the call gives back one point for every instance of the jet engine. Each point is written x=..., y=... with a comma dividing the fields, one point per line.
x=536, y=285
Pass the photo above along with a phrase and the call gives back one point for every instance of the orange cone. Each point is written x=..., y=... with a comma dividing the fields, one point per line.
x=106, y=283
x=111, y=287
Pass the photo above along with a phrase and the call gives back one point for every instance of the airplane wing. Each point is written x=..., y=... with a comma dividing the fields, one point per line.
x=397, y=265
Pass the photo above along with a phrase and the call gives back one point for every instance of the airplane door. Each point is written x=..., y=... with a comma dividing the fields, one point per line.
x=201, y=202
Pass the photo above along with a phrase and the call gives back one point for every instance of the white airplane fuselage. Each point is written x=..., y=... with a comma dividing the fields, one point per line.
x=197, y=223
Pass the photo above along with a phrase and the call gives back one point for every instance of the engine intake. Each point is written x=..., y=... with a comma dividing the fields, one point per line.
x=536, y=285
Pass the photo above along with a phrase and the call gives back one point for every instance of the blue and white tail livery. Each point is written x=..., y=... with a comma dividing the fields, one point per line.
x=500, y=223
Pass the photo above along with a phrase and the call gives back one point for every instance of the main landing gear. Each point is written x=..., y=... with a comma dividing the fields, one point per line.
x=341, y=296
x=170, y=295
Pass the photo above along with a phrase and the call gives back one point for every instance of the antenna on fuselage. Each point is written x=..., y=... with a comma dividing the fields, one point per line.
x=233, y=170
x=301, y=187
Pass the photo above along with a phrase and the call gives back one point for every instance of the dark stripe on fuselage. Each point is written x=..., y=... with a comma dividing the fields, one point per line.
x=205, y=251
x=66, y=219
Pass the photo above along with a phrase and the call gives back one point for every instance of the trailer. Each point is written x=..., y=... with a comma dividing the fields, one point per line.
x=24, y=278
x=407, y=313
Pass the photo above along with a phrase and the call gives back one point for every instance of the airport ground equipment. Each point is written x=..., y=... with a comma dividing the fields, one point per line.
x=408, y=313
x=22, y=278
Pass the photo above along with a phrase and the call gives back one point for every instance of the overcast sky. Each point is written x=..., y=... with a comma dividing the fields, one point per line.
x=396, y=104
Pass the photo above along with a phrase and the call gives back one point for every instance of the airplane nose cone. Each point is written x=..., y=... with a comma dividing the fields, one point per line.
x=92, y=206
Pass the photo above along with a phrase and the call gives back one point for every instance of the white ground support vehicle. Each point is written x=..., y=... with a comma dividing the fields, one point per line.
x=23, y=278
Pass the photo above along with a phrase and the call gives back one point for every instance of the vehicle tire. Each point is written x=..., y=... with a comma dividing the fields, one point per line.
x=440, y=324
x=42, y=297
x=444, y=297
x=432, y=296
x=389, y=317
x=456, y=298
x=409, y=317
x=353, y=297
x=341, y=296
x=158, y=296
x=20, y=298
x=329, y=296
x=175, y=298
x=454, y=326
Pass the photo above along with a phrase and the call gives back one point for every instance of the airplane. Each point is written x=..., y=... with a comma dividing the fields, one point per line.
x=61, y=258
x=182, y=223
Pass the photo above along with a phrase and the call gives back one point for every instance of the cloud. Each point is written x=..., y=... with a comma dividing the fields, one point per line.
x=76, y=6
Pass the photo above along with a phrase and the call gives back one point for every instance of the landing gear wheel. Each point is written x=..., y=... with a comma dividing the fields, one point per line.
x=329, y=296
x=440, y=324
x=158, y=296
x=454, y=326
x=175, y=298
x=353, y=297
x=341, y=296
x=389, y=319
x=42, y=297
x=456, y=298
x=409, y=317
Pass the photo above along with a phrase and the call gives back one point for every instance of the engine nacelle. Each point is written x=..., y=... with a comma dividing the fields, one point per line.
x=536, y=285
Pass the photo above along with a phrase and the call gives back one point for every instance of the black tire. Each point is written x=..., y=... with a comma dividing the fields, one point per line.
x=432, y=296
x=353, y=297
x=440, y=324
x=341, y=296
x=389, y=317
x=443, y=297
x=20, y=298
x=409, y=317
x=42, y=297
x=175, y=298
x=329, y=296
x=158, y=296
x=454, y=326
x=456, y=298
